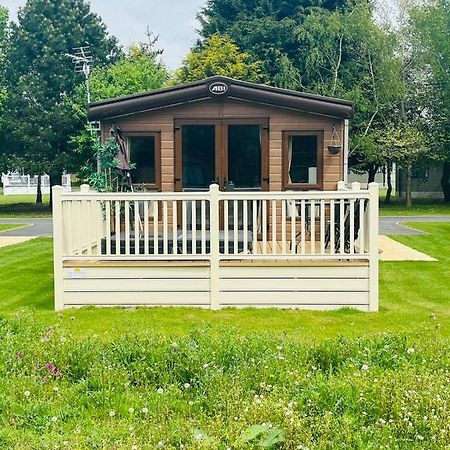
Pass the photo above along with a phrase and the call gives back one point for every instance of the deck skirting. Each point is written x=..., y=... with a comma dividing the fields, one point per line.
x=309, y=285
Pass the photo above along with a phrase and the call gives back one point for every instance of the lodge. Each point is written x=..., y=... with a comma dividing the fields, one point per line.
x=237, y=197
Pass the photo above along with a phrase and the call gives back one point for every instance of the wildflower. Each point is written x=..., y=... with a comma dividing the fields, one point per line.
x=419, y=437
x=131, y=410
x=205, y=366
x=190, y=402
x=134, y=447
x=27, y=393
x=364, y=367
x=56, y=389
x=112, y=413
x=63, y=339
x=279, y=347
x=145, y=410
x=186, y=385
x=54, y=419
x=160, y=390
x=174, y=344
x=410, y=351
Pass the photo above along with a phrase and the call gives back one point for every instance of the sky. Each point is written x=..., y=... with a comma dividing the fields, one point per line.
x=174, y=20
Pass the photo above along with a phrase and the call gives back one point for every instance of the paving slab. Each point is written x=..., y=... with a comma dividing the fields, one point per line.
x=391, y=250
x=13, y=240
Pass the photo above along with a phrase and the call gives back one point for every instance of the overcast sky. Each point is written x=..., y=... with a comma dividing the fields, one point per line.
x=174, y=21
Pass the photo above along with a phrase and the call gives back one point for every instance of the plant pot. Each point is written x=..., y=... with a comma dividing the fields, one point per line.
x=334, y=149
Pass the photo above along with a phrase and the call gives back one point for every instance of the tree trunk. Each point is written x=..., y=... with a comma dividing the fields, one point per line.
x=39, y=190
x=54, y=180
x=372, y=172
x=445, y=181
x=408, y=189
x=387, y=200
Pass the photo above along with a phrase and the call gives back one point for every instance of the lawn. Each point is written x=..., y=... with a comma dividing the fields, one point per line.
x=410, y=292
x=24, y=206
x=420, y=207
x=10, y=226
x=179, y=378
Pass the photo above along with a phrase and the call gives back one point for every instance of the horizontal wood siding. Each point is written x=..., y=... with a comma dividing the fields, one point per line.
x=151, y=286
x=300, y=287
x=279, y=120
x=306, y=287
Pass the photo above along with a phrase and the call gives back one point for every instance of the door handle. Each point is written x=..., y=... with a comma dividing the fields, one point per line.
x=176, y=179
x=266, y=179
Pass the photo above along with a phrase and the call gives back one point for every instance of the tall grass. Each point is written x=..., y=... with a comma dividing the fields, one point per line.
x=220, y=390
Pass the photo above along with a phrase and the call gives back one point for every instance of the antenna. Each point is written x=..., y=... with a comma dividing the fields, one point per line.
x=83, y=61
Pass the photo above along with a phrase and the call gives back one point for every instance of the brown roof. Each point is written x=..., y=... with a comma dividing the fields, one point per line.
x=235, y=89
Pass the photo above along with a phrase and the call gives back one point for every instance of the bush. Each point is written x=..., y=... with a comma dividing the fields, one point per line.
x=220, y=390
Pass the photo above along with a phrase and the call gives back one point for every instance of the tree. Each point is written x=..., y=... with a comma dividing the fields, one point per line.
x=331, y=47
x=406, y=145
x=39, y=77
x=218, y=55
x=431, y=25
x=139, y=70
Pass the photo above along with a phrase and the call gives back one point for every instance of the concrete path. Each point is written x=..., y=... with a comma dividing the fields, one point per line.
x=12, y=240
x=393, y=224
x=391, y=250
x=35, y=227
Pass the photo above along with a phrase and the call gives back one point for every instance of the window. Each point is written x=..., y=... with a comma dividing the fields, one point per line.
x=302, y=160
x=144, y=157
x=421, y=173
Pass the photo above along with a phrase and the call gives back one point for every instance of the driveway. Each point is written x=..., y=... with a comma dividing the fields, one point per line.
x=393, y=224
x=389, y=225
x=35, y=227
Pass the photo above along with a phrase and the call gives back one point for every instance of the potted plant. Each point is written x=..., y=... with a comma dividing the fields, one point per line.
x=335, y=145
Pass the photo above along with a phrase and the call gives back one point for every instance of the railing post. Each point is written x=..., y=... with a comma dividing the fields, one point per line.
x=341, y=186
x=373, y=246
x=214, y=231
x=58, y=270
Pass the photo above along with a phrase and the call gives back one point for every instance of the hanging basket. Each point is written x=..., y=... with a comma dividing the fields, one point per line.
x=335, y=145
x=334, y=149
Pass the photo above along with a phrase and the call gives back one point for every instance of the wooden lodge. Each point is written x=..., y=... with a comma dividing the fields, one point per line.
x=239, y=199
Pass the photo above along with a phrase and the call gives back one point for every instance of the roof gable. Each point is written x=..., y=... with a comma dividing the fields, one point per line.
x=221, y=88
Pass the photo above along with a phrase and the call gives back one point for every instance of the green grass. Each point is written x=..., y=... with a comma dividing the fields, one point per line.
x=24, y=206
x=178, y=378
x=410, y=292
x=10, y=226
x=420, y=207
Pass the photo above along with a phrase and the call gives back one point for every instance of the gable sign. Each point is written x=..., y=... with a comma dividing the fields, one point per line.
x=218, y=88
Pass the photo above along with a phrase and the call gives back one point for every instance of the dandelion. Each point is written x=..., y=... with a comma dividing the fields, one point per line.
x=364, y=367
x=190, y=402
x=27, y=393
x=160, y=390
x=145, y=410
x=131, y=410
x=54, y=419
x=410, y=351
x=112, y=413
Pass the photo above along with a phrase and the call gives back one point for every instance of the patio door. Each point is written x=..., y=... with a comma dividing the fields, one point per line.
x=231, y=153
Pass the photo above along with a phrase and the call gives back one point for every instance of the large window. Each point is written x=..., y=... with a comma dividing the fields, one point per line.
x=144, y=157
x=302, y=160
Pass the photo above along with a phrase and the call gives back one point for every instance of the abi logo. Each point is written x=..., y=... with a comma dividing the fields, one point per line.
x=218, y=88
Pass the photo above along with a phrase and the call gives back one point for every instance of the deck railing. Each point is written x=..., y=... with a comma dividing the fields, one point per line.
x=236, y=225
x=216, y=226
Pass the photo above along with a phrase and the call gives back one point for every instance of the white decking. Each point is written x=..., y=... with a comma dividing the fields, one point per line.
x=315, y=250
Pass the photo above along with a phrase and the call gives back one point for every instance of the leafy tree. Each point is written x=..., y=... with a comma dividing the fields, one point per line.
x=430, y=26
x=139, y=70
x=218, y=55
x=331, y=47
x=406, y=145
x=3, y=32
x=39, y=77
